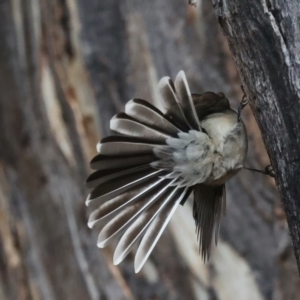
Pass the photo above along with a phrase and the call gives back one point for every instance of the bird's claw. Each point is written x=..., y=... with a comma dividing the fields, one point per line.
x=245, y=99
x=243, y=103
x=270, y=171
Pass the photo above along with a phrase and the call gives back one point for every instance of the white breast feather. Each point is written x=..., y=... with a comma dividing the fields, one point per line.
x=197, y=157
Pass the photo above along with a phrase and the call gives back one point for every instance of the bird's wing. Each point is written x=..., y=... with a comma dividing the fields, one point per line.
x=208, y=103
x=209, y=205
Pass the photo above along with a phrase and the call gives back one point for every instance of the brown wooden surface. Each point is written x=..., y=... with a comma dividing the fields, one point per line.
x=65, y=69
x=264, y=39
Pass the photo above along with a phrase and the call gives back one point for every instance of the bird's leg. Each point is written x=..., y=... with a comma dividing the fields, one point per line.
x=267, y=171
x=243, y=103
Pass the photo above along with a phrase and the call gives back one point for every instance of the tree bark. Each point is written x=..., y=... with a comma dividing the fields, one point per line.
x=65, y=69
x=265, y=42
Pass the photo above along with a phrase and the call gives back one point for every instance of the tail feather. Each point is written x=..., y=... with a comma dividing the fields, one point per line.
x=149, y=115
x=108, y=208
x=157, y=227
x=124, y=124
x=122, y=220
x=104, y=176
x=170, y=102
x=107, y=162
x=121, y=146
x=186, y=102
x=137, y=229
x=113, y=188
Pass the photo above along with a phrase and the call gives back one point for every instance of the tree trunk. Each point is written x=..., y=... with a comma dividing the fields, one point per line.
x=265, y=42
x=65, y=69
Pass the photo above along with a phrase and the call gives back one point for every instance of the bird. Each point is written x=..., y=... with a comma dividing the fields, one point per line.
x=156, y=159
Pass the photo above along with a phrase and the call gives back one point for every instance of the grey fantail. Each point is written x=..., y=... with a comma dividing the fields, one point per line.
x=157, y=159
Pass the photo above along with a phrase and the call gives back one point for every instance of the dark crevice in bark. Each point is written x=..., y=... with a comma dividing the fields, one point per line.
x=66, y=27
x=67, y=112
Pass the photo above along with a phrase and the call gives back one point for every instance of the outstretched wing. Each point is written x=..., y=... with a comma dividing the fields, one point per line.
x=209, y=103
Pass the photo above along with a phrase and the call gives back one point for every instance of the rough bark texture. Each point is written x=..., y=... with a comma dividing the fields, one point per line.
x=265, y=42
x=65, y=69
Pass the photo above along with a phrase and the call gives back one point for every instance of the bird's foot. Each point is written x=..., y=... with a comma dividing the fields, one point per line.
x=243, y=103
x=267, y=171
x=270, y=171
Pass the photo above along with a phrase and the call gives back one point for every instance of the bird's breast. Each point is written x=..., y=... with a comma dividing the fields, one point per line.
x=230, y=140
x=219, y=125
x=211, y=156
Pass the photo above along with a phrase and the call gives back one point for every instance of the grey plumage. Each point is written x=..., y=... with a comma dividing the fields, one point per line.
x=156, y=160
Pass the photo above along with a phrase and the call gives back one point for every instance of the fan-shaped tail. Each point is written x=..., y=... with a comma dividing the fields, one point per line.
x=135, y=191
x=129, y=195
